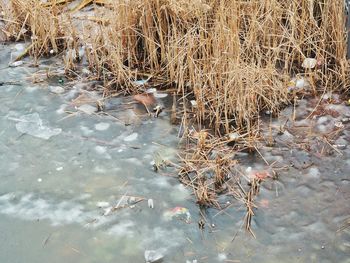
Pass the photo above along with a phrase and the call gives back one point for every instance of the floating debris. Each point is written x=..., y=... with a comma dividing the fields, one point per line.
x=124, y=202
x=150, y=203
x=155, y=93
x=233, y=136
x=157, y=110
x=262, y=175
x=102, y=204
x=309, y=63
x=146, y=99
x=158, y=162
x=140, y=82
x=298, y=83
x=339, y=125
x=178, y=212
x=345, y=120
x=154, y=256
x=16, y=64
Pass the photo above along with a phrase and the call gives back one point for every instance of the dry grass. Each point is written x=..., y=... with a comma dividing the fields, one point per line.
x=234, y=58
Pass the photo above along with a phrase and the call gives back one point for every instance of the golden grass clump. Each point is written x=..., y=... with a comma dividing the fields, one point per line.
x=235, y=56
x=49, y=30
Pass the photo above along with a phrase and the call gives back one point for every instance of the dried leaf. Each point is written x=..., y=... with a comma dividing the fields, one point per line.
x=146, y=99
x=262, y=175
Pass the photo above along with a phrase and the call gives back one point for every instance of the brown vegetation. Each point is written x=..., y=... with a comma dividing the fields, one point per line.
x=235, y=56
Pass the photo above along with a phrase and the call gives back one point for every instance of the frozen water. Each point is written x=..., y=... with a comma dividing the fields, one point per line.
x=88, y=109
x=102, y=126
x=131, y=137
x=32, y=124
x=55, y=192
x=56, y=89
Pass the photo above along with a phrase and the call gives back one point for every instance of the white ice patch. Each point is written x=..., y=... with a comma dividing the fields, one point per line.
x=86, y=131
x=87, y=109
x=131, y=137
x=102, y=126
x=134, y=161
x=31, y=89
x=314, y=173
x=222, y=257
x=179, y=193
x=61, y=109
x=161, y=182
x=56, y=89
x=123, y=229
x=165, y=237
x=322, y=120
x=19, y=47
x=32, y=124
x=100, y=170
x=29, y=208
x=102, y=204
x=100, y=149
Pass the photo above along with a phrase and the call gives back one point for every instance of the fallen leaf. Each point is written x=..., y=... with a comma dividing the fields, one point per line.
x=262, y=175
x=145, y=99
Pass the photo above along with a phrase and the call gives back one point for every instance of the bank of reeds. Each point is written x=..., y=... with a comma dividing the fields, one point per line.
x=235, y=56
x=232, y=58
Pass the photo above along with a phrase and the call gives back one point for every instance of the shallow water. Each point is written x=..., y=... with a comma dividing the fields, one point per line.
x=56, y=193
